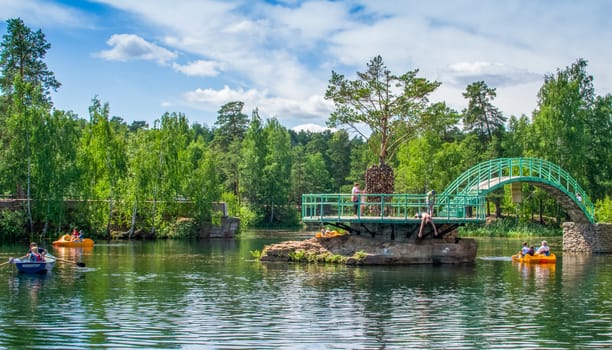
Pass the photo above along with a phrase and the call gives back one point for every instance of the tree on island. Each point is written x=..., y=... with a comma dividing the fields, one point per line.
x=387, y=105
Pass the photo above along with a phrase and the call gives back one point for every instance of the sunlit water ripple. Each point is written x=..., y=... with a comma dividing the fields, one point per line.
x=151, y=295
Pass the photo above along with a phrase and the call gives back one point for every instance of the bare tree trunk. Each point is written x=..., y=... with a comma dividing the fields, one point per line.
x=271, y=213
x=110, y=216
x=541, y=210
x=28, y=201
x=134, y=212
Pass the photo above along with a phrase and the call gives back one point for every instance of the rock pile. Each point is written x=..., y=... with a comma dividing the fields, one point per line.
x=366, y=251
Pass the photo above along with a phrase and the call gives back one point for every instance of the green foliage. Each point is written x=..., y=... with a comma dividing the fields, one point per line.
x=22, y=54
x=603, y=210
x=509, y=227
x=389, y=105
x=257, y=254
x=301, y=255
x=572, y=128
x=335, y=259
x=360, y=255
x=12, y=224
x=231, y=200
x=232, y=124
x=103, y=175
x=481, y=116
x=180, y=229
x=248, y=217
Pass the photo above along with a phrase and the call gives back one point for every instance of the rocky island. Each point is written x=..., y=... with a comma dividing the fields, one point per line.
x=355, y=249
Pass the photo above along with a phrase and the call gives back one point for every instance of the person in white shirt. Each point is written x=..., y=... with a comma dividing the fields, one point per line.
x=355, y=197
x=544, y=249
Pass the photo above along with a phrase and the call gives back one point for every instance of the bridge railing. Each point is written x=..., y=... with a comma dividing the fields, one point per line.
x=390, y=207
x=486, y=176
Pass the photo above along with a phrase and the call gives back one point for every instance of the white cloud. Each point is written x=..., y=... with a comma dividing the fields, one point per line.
x=278, y=55
x=199, y=68
x=495, y=74
x=314, y=108
x=39, y=13
x=309, y=127
x=127, y=47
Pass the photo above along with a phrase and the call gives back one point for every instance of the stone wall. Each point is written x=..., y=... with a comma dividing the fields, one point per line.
x=227, y=229
x=587, y=238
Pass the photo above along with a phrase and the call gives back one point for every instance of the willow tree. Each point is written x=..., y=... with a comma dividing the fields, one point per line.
x=103, y=155
x=171, y=173
x=382, y=107
x=23, y=120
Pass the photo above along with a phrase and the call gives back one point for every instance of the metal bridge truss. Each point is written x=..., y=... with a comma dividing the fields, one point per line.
x=461, y=202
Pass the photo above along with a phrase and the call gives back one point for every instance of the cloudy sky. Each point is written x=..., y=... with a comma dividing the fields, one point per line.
x=147, y=57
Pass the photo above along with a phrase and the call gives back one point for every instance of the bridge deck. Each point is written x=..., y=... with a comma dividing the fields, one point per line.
x=388, y=219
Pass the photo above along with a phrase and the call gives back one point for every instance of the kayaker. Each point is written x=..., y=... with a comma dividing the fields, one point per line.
x=36, y=253
x=76, y=236
x=531, y=250
x=525, y=250
x=544, y=249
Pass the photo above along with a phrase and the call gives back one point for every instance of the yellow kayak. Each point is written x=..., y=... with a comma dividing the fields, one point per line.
x=535, y=259
x=66, y=241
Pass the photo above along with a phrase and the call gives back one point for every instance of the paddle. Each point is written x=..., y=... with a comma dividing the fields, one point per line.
x=79, y=264
x=11, y=260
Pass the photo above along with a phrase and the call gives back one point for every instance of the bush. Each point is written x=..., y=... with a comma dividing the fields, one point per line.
x=508, y=227
x=182, y=228
x=603, y=210
x=12, y=225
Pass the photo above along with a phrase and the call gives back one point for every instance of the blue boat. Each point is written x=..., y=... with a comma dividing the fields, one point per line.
x=28, y=266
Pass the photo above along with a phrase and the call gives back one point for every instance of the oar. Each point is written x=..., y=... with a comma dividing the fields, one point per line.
x=79, y=264
x=11, y=260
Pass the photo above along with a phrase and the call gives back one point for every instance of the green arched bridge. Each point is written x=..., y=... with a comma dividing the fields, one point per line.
x=461, y=202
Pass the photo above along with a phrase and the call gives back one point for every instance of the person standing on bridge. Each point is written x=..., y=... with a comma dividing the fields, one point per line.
x=430, y=201
x=355, y=197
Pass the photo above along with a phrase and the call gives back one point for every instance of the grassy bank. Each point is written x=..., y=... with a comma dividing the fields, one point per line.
x=510, y=228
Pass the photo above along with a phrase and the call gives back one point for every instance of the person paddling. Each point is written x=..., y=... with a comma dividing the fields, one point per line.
x=544, y=249
x=36, y=253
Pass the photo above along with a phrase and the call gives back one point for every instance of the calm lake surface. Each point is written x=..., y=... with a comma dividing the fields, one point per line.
x=214, y=295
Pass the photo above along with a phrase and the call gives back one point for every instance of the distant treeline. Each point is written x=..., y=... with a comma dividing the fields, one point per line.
x=136, y=177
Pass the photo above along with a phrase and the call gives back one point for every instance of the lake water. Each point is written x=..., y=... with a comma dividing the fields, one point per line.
x=214, y=295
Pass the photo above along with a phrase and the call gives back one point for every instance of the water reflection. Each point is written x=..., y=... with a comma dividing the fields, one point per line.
x=213, y=294
x=539, y=274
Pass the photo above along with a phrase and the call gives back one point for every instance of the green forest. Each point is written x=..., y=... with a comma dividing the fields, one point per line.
x=103, y=174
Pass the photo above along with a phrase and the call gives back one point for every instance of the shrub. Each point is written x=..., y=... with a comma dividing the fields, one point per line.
x=12, y=225
x=603, y=210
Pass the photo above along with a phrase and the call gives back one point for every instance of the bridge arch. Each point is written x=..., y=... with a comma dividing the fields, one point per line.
x=487, y=176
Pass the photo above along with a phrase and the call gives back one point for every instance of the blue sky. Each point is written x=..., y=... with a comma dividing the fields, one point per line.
x=148, y=57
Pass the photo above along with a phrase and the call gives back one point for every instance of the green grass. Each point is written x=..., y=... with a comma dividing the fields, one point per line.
x=510, y=228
